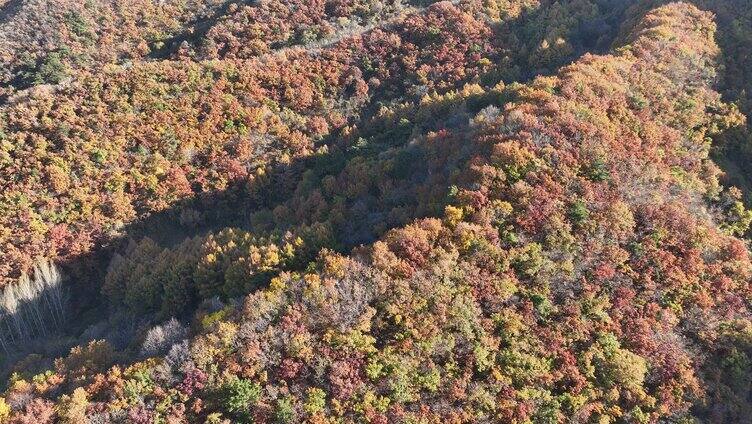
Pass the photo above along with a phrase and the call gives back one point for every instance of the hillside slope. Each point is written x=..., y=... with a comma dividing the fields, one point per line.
x=401, y=224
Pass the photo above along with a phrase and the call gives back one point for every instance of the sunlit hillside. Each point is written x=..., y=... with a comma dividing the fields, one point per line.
x=375, y=211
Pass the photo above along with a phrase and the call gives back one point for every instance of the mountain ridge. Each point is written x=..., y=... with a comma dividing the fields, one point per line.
x=466, y=248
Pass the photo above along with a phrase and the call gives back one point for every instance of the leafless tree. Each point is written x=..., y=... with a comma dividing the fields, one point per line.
x=32, y=307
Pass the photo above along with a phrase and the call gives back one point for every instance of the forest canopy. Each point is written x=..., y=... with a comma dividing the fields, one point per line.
x=375, y=211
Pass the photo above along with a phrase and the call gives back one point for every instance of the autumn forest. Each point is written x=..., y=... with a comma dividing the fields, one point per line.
x=375, y=211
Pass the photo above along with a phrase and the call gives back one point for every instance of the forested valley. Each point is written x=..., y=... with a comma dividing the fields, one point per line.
x=375, y=211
